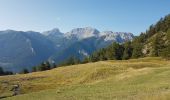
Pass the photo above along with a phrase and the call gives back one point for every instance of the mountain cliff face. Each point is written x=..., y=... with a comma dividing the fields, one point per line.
x=81, y=42
x=23, y=49
x=83, y=33
x=26, y=49
x=64, y=40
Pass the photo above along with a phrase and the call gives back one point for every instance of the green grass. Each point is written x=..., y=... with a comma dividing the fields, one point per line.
x=136, y=79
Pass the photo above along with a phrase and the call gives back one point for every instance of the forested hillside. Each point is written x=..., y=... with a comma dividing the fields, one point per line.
x=154, y=42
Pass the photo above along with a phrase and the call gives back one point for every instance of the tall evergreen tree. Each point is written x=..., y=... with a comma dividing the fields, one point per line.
x=1, y=71
x=102, y=55
x=155, y=45
x=70, y=61
x=166, y=51
x=137, y=51
x=86, y=60
x=127, y=54
x=47, y=65
x=44, y=66
x=24, y=71
x=34, y=69
x=137, y=47
x=54, y=65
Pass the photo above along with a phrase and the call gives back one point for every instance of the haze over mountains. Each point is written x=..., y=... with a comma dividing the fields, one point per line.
x=25, y=49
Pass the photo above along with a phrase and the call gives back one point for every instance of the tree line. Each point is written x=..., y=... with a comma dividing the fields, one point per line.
x=2, y=72
x=46, y=65
x=158, y=34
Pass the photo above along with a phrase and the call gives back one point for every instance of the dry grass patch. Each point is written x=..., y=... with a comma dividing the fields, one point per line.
x=127, y=79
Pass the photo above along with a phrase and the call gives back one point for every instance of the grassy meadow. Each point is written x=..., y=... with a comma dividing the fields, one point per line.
x=135, y=79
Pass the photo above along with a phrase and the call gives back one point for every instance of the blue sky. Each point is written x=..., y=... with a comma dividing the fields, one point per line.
x=117, y=15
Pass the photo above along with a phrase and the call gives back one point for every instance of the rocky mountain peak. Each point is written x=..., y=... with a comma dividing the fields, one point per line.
x=82, y=33
x=53, y=32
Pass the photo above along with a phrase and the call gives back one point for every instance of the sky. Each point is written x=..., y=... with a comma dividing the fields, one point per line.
x=106, y=15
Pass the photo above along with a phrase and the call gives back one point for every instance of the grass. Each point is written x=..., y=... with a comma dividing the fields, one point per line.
x=135, y=79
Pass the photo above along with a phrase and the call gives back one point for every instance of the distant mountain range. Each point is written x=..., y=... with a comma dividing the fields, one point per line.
x=25, y=49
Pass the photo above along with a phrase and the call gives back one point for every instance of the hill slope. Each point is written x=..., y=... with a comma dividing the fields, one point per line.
x=155, y=42
x=139, y=79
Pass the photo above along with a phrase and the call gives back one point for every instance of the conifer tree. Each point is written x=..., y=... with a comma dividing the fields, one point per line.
x=127, y=51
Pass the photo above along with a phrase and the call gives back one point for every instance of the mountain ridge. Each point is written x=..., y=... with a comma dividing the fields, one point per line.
x=75, y=44
x=25, y=49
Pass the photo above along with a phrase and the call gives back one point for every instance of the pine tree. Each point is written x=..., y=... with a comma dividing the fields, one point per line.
x=111, y=51
x=86, y=60
x=155, y=45
x=54, y=65
x=34, y=69
x=42, y=67
x=24, y=71
x=1, y=71
x=127, y=51
x=137, y=48
x=94, y=57
x=76, y=61
x=102, y=55
x=137, y=51
x=47, y=65
x=158, y=44
x=166, y=51
x=70, y=61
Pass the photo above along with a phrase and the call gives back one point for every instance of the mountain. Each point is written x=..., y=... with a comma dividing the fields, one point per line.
x=79, y=34
x=119, y=37
x=82, y=33
x=79, y=49
x=23, y=49
x=53, y=33
x=82, y=42
x=56, y=37
x=64, y=40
